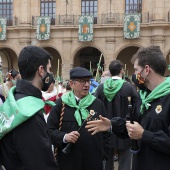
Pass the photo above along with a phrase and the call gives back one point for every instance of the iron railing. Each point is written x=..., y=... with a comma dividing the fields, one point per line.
x=11, y=21
x=109, y=18
x=118, y=18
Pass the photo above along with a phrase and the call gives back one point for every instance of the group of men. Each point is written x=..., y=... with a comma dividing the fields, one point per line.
x=85, y=128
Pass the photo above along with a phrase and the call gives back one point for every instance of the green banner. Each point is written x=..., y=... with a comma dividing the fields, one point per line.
x=43, y=28
x=85, y=28
x=132, y=26
x=2, y=28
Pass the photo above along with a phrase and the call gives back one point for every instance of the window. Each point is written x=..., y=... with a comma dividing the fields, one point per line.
x=89, y=7
x=48, y=8
x=133, y=6
x=6, y=10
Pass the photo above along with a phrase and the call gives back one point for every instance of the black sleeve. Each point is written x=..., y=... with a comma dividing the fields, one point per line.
x=158, y=140
x=33, y=145
x=53, y=121
x=106, y=138
x=134, y=95
x=119, y=127
x=99, y=91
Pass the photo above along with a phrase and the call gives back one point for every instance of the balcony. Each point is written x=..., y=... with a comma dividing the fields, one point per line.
x=109, y=18
x=11, y=21
x=118, y=18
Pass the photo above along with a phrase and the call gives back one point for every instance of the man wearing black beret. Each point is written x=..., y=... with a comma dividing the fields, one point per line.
x=67, y=117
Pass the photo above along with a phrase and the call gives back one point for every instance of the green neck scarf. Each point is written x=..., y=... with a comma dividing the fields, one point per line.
x=13, y=113
x=111, y=87
x=161, y=90
x=69, y=99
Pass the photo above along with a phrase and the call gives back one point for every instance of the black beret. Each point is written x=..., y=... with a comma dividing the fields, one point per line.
x=79, y=72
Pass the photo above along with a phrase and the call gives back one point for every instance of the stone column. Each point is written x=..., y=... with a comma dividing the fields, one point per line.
x=25, y=9
x=110, y=45
x=67, y=55
x=158, y=10
x=158, y=38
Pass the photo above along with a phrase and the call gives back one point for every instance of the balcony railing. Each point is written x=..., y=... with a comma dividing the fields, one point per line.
x=12, y=21
x=118, y=18
x=169, y=16
x=110, y=18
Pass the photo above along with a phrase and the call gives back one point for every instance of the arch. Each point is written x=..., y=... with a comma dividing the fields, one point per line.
x=88, y=56
x=51, y=46
x=9, y=58
x=57, y=60
x=123, y=46
x=125, y=56
x=84, y=46
x=167, y=52
x=167, y=56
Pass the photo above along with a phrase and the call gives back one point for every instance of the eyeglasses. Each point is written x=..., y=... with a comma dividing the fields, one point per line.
x=83, y=81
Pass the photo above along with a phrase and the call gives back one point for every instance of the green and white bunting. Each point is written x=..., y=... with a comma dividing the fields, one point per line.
x=43, y=28
x=85, y=28
x=132, y=26
x=2, y=28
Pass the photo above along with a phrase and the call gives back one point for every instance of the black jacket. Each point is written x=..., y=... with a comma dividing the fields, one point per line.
x=118, y=107
x=155, y=143
x=28, y=147
x=89, y=151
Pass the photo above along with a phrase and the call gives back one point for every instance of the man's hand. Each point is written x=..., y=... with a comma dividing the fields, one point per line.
x=135, y=131
x=72, y=137
x=101, y=125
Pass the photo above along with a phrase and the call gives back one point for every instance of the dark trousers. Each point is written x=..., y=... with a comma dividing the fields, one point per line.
x=124, y=160
x=110, y=162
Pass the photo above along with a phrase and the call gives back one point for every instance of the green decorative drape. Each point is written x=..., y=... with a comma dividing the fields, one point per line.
x=85, y=28
x=43, y=28
x=2, y=28
x=132, y=26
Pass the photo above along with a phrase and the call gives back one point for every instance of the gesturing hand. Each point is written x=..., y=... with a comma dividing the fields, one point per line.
x=98, y=125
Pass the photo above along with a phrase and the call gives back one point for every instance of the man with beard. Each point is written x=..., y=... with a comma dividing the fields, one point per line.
x=27, y=145
x=150, y=127
x=71, y=110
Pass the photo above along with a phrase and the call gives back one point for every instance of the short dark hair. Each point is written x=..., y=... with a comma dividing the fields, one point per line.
x=30, y=58
x=153, y=57
x=115, y=67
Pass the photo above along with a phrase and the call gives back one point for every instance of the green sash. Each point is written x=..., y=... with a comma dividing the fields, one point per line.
x=70, y=100
x=161, y=90
x=111, y=87
x=13, y=113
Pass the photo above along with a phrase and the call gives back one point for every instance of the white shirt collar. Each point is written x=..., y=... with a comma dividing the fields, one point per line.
x=78, y=99
x=116, y=77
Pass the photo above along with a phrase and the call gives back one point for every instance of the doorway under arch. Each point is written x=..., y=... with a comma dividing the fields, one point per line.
x=125, y=56
x=9, y=59
x=88, y=57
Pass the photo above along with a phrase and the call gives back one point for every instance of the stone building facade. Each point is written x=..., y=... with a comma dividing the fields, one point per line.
x=108, y=32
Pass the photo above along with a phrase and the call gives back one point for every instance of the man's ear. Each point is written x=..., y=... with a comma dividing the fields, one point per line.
x=40, y=70
x=71, y=84
x=147, y=68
